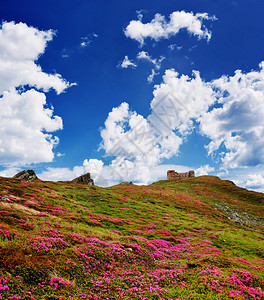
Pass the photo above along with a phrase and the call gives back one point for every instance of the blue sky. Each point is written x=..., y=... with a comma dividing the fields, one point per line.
x=127, y=90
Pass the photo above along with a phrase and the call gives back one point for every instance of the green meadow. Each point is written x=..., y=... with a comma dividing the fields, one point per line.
x=194, y=238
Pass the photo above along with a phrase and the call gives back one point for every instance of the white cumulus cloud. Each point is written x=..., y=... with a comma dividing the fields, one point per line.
x=255, y=181
x=229, y=111
x=204, y=170
x=21, y=42
x=23, y=118
x=133, y=145
x=236, y=127
x=159, y=28
x=9, y=172
x=26, y=121
x=179, y=100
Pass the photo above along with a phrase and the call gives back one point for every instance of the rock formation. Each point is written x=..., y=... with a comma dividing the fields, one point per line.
x=28, y=175
x=171, y=174
x=84, y=179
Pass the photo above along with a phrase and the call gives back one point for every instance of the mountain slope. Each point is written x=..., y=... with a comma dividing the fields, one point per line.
x=195, y=238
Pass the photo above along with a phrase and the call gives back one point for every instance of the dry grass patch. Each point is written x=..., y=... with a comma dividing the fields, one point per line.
x=21, y=208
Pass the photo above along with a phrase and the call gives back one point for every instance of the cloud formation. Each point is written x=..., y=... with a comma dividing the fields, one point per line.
x=21, y=42
x=87, y=40
x=23, y=118
x=178, y=101
x=159, y=28
x=143, y=55
x=151, y=76
x=204, y=170
x=255, y=181
x=126, y=63
x=236, y=126
x=228, y=111
x=26, y=122
x=134, y=145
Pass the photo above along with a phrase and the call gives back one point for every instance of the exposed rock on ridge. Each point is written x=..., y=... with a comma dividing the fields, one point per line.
x=84, y=179
x=28, y=175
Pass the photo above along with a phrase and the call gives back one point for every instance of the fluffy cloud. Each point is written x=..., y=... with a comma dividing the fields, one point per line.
x=236, y=127
x=101, y=174
x=204, y=170
x=178, y=101
x=9, y=172
x=130, y=136
x=248, y=177
x=133, y=145
x=22, y=73
x=19, y=42
x=229, y=111
x=93, y=166
x=127, y=63
x=25, y=119
x=255, y=181
x=159, y=28
x=20, y=47
x=61, y=174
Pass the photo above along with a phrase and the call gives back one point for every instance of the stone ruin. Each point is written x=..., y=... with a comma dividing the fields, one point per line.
x=84, y=179
x=28, y=175
x=171, y=174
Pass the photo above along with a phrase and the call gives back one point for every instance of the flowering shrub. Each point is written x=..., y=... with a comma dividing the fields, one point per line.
x=58, y=282
x=46, y=244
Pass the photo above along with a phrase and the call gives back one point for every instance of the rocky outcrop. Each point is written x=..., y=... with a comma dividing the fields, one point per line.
x=243, y=218
x=28, y=175
x=84, y=179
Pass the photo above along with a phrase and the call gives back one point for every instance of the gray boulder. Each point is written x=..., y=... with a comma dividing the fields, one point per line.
x=84, y=179
x=28, y=175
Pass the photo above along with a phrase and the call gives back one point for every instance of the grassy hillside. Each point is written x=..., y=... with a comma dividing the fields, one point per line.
x=196, y=238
